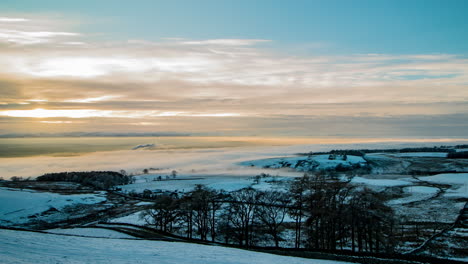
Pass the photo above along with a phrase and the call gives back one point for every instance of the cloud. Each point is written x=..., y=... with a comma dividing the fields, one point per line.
x=86, y=113
x=29, y=37
x=57, y=122
x=187, y=160
x=172, y=82
x=13, y=19
x=25, y=31
x=226, y=42
x=90, y=100
x=244, y=73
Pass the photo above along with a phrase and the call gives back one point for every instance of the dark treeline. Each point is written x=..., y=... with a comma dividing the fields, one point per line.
x=362, y=152
x=327, y=214
x=458, y=155
x=103, y=180
x=339, y=215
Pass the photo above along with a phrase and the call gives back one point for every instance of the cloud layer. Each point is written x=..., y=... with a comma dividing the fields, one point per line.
x=53, y=72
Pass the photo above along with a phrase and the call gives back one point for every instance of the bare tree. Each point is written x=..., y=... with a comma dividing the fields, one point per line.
x=241, y=214
x=297, y=192
x=272, y=209
x=201, y=207
x=372, y=222
x=163, y=214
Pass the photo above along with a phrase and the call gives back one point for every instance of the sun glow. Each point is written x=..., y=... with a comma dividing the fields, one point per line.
x=92, y=99
x=86, y=113
x=57, y=122
x=45, y=113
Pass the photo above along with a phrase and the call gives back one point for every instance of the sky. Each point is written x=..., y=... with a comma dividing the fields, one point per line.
x=235, y=68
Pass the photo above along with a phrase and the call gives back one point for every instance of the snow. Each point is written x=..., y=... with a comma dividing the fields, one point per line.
x=422, y=154
x=185, y=183
x=133, y=219
x=273, y=183
x=274, y=163
x=381, y=182
x=326, y=163
x=454, y=178
x=143, y=203
x=29, y=247
x=461, y=232
x=421, y=189
x=90, y=232
x=415, y=194
x=323, y=160
x=315, y=161
x=17, y=205
x=459, y=182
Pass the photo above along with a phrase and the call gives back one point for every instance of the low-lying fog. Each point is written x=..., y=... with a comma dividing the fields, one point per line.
x=213, y=161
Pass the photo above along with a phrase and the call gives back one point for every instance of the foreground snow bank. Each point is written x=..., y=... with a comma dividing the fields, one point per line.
x=90, y=232
x=28, y=247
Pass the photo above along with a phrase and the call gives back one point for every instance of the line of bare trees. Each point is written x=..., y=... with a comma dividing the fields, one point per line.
x=340, y=215
x=325, y=213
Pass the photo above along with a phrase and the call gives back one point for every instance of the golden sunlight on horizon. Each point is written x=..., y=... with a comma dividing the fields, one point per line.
x=86, y=113
x=55, y=71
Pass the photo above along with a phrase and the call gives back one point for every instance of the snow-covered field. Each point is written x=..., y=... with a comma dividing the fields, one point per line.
x=415, y=194
x=382, y=182
x=459, y=182
x=134, y=219
x=414, y=200
x=325, y=162
x=90, y=232
x=422, y=154
x=28, y=247
x=185, y=183
x=444, y=208
x=425, y=204
x=18, y=205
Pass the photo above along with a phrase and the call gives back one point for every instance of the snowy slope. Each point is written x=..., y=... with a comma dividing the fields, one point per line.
x=187, y=182
x=415, y=194
x=304, y=163
x=134, y=219
x=27, y=247
x=422, y=154
x=382, y=182
x=90, y=232
x=17, y=205
x=461, y=150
